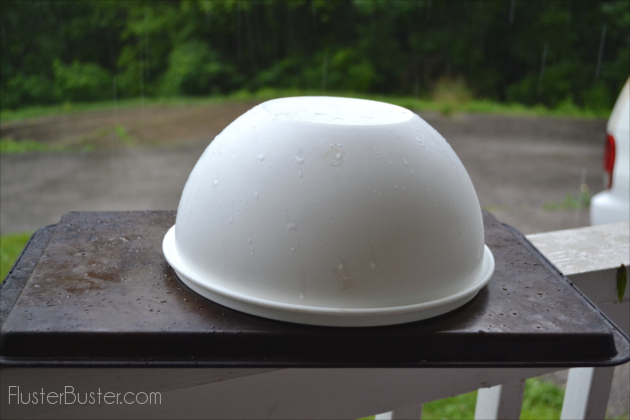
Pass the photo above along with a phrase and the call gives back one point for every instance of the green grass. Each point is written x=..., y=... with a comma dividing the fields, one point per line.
x=460, y=407
x=90, y=141
x=443, y=102
x=542, y=400
x=14, y=115
x=10, y=248
x=570, y=202
x=10, y=146
x=124, y=136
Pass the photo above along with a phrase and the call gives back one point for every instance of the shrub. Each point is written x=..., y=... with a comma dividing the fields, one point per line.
x=598, y=98
x=24, y=90
x=81, y=82
x=348, y=70
x=195, y=69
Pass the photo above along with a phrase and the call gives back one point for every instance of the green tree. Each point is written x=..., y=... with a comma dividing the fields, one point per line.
x=528, y=51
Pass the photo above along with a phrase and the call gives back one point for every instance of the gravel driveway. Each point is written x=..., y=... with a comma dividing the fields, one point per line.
x=522, y=167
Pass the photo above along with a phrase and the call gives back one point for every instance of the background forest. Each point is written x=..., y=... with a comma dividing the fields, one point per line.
x=514, y=51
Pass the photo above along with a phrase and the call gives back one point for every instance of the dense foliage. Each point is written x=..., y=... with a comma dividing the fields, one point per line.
x=547, y=52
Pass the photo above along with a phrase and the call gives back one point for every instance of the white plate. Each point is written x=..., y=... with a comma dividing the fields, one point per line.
x=334, y=317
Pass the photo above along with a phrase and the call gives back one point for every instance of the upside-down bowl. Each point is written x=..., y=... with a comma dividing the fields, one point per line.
x=331, y=211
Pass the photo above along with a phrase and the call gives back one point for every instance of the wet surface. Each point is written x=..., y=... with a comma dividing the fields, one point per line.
x=523, y=168
x=102, y=292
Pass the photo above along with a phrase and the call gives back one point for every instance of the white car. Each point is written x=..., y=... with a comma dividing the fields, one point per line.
x=613, y=204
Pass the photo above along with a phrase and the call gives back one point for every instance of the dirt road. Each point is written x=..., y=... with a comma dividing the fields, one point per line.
x=523, y=167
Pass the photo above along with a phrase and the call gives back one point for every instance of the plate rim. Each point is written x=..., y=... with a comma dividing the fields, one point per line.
x=291, y=312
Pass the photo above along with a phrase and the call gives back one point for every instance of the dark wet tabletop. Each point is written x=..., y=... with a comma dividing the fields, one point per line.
x=96, y=289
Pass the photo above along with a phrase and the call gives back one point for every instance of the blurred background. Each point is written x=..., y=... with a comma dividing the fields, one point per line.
x=107, y=105
x=571, y=54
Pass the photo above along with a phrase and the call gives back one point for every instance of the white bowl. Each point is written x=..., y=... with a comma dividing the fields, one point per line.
x=331, y=211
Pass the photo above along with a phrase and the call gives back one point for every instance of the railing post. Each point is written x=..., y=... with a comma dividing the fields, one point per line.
x=413, y=412
x=586, y=395
x=590, y=257
x=500, y=402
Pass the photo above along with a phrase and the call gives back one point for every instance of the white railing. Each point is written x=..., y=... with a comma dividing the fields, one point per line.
x=588, y=256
